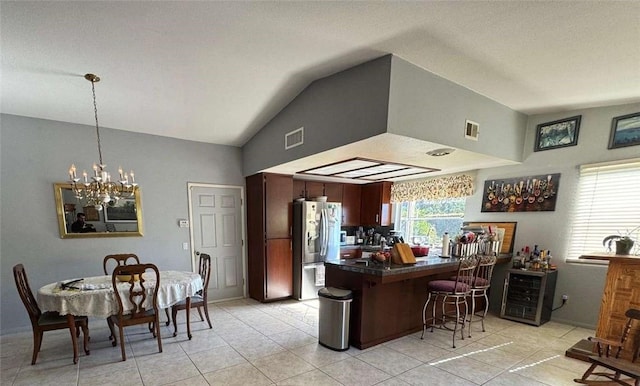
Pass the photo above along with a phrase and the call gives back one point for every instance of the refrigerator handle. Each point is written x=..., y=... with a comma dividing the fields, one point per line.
x=326, y=232
x=323, y=232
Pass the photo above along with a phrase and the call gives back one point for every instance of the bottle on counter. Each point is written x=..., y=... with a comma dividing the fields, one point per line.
x=517, y=262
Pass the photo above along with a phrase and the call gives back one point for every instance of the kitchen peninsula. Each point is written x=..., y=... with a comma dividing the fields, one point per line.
x=387, y=303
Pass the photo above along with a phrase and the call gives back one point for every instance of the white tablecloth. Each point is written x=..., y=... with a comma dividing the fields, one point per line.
x=97, y=298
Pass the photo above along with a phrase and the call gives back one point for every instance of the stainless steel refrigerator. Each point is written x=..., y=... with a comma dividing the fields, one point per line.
x=316, y=239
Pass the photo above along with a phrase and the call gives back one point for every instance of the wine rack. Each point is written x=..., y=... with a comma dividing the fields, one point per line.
x=528, y=296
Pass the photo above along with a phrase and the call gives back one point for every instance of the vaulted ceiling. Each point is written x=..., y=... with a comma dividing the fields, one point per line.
x=216, y=71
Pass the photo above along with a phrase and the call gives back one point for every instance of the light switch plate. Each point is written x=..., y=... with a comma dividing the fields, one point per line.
x=185, y=246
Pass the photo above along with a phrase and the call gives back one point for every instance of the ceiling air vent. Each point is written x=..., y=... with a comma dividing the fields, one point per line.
x=471, y=130
x=294, y=138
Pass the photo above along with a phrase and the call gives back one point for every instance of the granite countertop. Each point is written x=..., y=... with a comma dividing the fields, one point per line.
x=366, y=266
x=364, y=247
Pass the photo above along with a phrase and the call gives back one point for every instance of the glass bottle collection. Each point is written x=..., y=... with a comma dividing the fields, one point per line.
x=534, y=260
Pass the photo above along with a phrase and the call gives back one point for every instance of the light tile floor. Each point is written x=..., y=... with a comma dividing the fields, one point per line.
x=276, y=344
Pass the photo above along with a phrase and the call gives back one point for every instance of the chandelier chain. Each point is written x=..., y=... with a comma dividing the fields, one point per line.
x=98, y=189
x=95, y=111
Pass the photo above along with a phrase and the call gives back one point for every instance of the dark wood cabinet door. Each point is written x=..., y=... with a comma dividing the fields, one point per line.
x=255, y=236
x=278, y=205
x=314, y=189
x=298, y=189
x=375, y=204
x=333, y=191
x=351, y=204
x=279, y=265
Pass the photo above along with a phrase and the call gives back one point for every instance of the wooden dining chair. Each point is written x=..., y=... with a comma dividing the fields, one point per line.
x=120, y=259
x=200, y=299
x=45, y=321
x=134, y=308
x=610, y=357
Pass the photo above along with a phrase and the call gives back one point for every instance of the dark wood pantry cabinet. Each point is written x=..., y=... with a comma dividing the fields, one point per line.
x=270, y=259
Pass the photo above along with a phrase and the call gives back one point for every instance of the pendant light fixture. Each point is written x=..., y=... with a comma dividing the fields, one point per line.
x=99, y=189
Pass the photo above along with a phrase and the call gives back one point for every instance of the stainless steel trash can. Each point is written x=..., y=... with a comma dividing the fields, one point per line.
x=333, y=323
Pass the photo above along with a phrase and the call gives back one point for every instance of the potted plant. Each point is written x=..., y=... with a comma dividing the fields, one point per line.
x=623, y=243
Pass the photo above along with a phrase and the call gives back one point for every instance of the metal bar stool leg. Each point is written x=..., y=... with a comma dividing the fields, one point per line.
x=424, y=316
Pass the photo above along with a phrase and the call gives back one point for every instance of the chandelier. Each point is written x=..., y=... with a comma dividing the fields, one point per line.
x=99, y=189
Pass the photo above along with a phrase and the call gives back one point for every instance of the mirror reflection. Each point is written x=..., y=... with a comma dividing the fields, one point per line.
x=78, y=219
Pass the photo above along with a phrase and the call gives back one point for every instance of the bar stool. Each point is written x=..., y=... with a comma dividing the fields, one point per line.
x=480, y=287
x=451, y=293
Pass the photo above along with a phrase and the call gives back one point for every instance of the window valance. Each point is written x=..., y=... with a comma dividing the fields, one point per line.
x=455, y=186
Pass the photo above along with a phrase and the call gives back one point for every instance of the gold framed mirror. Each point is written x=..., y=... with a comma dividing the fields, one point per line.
x=122, y=218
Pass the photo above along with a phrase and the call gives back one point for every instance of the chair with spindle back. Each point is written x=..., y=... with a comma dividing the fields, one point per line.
x=451, y=294
x=480, y=287
x=610, y=357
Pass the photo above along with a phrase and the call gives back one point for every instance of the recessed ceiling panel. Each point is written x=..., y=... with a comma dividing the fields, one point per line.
x=340, y=167
x=398, y=173
x=366, y=169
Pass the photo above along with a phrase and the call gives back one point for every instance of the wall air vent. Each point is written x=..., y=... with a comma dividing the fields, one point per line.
x=471, y=130
x=294, y=138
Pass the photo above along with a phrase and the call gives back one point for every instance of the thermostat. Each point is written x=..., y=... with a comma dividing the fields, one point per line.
x=183, y=223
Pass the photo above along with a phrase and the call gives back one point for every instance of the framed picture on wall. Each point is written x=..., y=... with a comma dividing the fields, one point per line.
x=522, y=194
x=625, y=131
x=556, y=134
x=91, y=213
x=123, y=210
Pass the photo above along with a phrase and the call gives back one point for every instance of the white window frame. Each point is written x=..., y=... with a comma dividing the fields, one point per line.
x=603, y=208
x=411, y=218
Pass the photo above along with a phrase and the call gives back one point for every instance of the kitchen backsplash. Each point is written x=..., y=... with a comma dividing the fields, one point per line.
x=384, y=231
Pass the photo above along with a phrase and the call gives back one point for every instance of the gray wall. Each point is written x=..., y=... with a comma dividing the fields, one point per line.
x=385, y=95
x=36, y=153
x=337, y=110
x=425, y=106
x=584, y=284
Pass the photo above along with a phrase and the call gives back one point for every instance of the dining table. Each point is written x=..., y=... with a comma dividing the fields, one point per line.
x=95, y=296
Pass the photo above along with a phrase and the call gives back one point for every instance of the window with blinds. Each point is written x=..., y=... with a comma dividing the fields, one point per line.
x=608, y=204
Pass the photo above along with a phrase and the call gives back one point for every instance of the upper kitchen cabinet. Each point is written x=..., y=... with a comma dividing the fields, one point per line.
x=277, y=193
x=375, y=204
x=299, y=190
x=351, y=204
x=312, y=189
x=269, y=206
x=333, y=191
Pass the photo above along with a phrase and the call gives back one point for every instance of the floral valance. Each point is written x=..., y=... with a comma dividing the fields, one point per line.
x=460, y=185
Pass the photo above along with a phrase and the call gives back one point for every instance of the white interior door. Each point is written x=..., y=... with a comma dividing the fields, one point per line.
x=217, y=224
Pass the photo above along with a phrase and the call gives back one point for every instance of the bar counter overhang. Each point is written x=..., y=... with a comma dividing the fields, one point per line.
x=387, y=303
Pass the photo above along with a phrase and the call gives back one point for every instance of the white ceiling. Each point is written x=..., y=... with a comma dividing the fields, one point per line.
x=218, y=71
